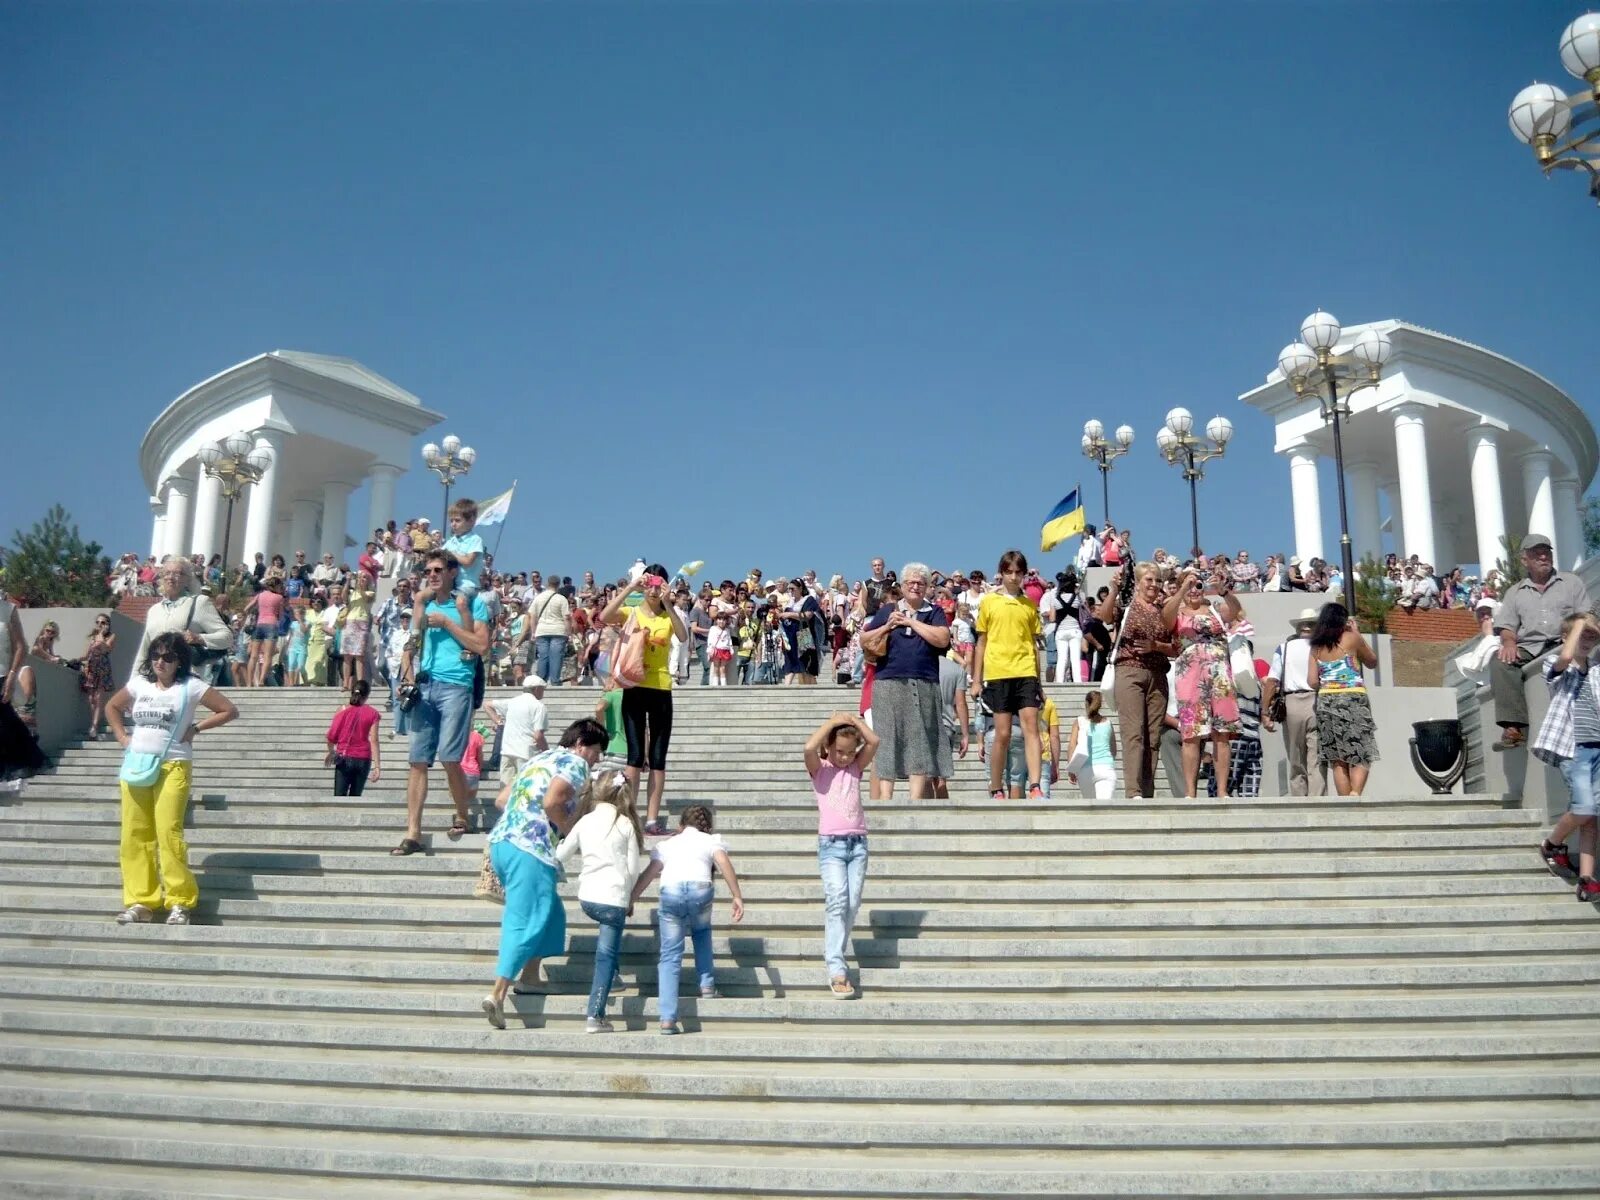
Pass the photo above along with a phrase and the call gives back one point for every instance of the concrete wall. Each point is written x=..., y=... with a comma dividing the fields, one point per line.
x=63, y=708
x=1394, y=709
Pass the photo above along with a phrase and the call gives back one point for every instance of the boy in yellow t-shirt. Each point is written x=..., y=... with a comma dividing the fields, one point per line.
x=1005, y=671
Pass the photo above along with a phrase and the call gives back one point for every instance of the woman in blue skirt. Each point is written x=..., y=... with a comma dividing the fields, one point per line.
x=537, y=808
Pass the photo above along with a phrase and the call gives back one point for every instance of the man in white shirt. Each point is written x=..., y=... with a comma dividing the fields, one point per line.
x=325, y=572
x=1291, y=668
x=525, y=722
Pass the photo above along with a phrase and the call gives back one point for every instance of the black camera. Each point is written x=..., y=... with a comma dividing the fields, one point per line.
x=406, y=696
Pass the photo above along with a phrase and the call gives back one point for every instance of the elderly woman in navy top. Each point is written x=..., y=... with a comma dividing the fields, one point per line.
x=907, y=638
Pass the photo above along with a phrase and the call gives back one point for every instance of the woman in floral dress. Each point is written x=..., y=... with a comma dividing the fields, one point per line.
x=1207, y=704
x=96, y=677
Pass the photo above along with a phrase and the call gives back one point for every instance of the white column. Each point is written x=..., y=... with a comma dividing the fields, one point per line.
x=1538, y=490
x=1569, y=524
x=1305, y=490
x=1488, y=504
x=207, y=508
x=260, y=521
x=158, y=526
x=303, y=529
x=1366, y=529
x=1416, y=494
x=1444, y=543
x=180, y=495
x=381, y=509
x=335, y=517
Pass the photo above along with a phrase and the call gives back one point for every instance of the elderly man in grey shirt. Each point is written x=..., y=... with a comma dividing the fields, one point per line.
x=1528, y=624
x=180, y=611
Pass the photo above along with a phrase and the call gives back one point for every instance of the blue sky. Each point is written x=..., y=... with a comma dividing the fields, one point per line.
x=781, y=284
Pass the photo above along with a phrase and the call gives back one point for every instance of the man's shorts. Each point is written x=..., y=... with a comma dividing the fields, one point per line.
x=1013, y=695
x=441, y=723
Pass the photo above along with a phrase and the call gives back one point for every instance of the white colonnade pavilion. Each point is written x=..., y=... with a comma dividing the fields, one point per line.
x=322, y=426
x=1459, y=444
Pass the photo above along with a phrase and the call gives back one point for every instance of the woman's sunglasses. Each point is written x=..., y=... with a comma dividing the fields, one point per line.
x=164, y=657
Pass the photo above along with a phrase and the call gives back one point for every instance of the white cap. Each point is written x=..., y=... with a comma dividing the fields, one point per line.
x=532, y=682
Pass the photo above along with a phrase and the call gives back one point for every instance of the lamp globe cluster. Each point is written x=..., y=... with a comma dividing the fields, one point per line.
x=1541, y=114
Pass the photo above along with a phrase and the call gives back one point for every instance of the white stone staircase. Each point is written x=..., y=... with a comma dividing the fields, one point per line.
x=1287, y=997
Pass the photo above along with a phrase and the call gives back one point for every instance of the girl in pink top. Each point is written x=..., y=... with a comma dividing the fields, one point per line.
x=353, y=744
x=836, y=754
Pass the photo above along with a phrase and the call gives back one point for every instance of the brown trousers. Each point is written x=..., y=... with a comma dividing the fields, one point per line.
x=1141, y=696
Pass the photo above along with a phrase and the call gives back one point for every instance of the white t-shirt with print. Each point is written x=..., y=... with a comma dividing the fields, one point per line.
x=156, y=710
x=687, y=856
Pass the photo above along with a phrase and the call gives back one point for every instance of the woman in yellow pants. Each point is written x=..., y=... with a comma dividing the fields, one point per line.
x=162, y=699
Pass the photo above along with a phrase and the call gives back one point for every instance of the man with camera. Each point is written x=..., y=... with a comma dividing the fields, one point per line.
x=451, y=631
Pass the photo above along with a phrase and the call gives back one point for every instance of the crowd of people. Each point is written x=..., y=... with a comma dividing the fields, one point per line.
x=945, y=662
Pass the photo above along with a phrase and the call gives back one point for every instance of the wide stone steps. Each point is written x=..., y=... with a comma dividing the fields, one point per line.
x=1385, y=996
x=847, y=1169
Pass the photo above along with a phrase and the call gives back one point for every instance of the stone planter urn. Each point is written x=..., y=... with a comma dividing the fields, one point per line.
x=1439, y=754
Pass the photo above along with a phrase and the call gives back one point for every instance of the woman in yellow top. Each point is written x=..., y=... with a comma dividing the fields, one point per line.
x=357, y=629
x=316, y=672
x=647, y=707
x=1005, y=671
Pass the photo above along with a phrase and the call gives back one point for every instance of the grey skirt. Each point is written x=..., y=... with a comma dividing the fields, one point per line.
x=909, y=721
x=1346, y=732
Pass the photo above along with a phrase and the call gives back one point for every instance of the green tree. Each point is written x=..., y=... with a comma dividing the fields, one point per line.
x=1510, y=567
x=1374, y=600
x=1591, y=526
x=51, y=566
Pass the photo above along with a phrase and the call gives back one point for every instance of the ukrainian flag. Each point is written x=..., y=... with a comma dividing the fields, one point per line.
x=1065, y=520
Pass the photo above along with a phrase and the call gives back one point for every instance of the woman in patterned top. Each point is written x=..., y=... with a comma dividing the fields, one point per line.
x=538, y=807
x=1143, y=653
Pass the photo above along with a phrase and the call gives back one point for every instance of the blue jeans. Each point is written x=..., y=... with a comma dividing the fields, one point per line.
x=705, y=663
x=685, y=910
x=1582, y=773
x=441, y=723
x=842, y=860
x=549, y=652
x=607, y=949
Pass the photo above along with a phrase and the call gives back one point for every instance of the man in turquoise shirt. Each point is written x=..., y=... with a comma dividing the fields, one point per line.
x=453, y=629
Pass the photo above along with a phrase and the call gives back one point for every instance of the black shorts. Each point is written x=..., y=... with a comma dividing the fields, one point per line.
x=647, y=724
x=1013, y=695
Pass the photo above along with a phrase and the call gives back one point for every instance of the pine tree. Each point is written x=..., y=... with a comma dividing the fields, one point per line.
x=52, y=566
x=1510, y=567
x=1591, y=526
x=1374, y=600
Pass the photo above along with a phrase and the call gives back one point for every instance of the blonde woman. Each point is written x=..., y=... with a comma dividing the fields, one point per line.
x=608, y=840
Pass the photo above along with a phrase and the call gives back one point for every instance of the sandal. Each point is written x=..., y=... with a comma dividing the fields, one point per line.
x=406, y=846
x=458, y=827
x=841, y=988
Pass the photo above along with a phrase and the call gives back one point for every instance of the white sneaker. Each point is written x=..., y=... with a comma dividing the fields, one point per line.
x=135, y=914
x=598, y=1025
x=178, y=915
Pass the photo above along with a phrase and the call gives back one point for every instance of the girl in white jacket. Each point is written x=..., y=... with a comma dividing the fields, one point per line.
x=607, y=839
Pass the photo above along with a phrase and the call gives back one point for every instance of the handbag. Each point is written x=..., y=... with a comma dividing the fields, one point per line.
x=201, y=655
x=627, y=657
x=141, y=768
x=488, y=886
x=1108, y=678
x=1278, y=710
x=1080, y=749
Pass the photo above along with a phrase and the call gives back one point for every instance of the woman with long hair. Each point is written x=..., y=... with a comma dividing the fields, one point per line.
x=356, y=627
x=263, y=618
x=1347, y=736
x=1098, y=779
x=801, y=648
x=608, y=841
x=647, y=707
x=96, y=677
x=154, y=720
x=1208, y=706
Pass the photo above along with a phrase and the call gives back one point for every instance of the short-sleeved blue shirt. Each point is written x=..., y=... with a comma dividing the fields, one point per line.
x=909, y=656
x=441, y=653
x=467, y=578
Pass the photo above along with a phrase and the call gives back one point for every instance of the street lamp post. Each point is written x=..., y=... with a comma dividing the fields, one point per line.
x=1104, y=453
x=1542, y=115
x=1179, y=445
x=236, y=463
x=449, y=460
x=1311, y=368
